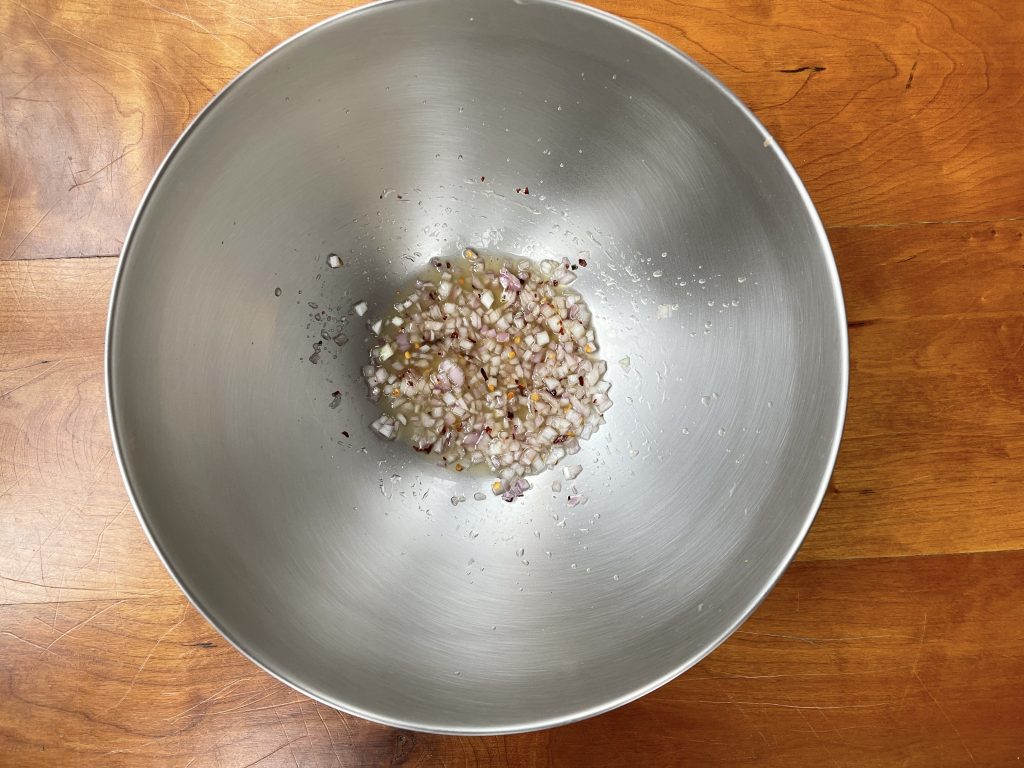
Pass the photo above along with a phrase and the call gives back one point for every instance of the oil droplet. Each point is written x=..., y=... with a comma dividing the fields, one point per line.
x=277, y=291
x=573, y=566
x=520, y=552
x=741, y=279
x=686, y=431
x=615, y=577
x=705, y=400
x=721, y=431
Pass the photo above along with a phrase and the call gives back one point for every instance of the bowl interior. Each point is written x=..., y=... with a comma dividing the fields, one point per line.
x=401, y=132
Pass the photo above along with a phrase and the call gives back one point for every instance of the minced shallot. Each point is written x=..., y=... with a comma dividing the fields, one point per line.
x=489, y=363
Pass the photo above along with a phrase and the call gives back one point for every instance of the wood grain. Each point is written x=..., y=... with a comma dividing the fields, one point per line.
x=897, y=638
x=93, y=96
x=892, y=113
x=865, y=663
x=932, y=458
x=68, y=529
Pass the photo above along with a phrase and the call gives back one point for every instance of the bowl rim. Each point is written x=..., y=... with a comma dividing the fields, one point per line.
x=601, y=707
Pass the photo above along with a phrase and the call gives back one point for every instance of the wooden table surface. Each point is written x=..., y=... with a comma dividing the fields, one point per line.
x=897, y=636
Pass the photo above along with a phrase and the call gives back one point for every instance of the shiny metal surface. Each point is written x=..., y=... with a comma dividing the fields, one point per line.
x=342, y=567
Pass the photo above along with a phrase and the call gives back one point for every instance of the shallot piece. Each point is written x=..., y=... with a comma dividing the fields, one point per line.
x=509, y=281
x=386, y=427
x=516, y=489
x=489, y=363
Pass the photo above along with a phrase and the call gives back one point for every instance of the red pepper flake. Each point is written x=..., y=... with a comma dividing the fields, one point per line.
x=526, y=190
x=336, y=393
x=518, y=190
x=581, y=381
x=560, y=439
x=583, y=262
x=481, y=178
x=399, y=197
x=344, y=432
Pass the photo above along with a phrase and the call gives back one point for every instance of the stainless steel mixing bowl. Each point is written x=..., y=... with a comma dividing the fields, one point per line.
x=399, y=132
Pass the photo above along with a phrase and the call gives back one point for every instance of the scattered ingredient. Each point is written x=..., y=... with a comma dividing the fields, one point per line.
x=386, y=427
x=333, y=261
x=571, y=473
x=489, y=362
x=516, y=488
x=360, y=308
x=665, y=311
x=624, y=363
